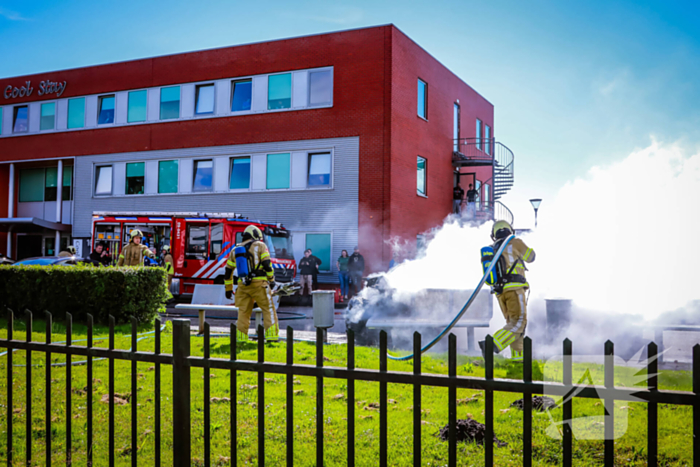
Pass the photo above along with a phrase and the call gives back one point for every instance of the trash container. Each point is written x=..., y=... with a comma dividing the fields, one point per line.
x=558, y=317
x=324, y=309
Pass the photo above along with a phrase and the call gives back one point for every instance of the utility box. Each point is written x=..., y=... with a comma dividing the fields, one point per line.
x=324, y=308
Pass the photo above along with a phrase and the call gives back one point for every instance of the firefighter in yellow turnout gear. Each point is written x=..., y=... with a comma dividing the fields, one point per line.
x=168, y=264
x=134, y=252
x=256, y=288
x=511, y=291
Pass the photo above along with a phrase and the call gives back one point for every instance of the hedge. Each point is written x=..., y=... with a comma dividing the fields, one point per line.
x=82, y=290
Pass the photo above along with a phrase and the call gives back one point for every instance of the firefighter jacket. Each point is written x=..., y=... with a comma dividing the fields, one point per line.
x=133, y=254
x=259, y=264
x=168, y=264
x=516, y=254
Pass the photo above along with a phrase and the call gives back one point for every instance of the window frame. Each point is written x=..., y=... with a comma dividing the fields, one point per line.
x=233, y=88
x=479, y=131
x=114, y=115
x=291, y=91
x=43, y=185
x=96, y=179
x=425, y=177
x=41, y=107
x=128, y=99
x=194, y=175
x=197, y=87
x=2, y=112
x=250, y=172
x=15, y=111
x=267, y=172
x=126, y=178
x=309, y=155
x=177, y=184
x=487, y=139
x=456, y=124
x=309, y=105
x=160, y=103
x=84, y=99
x=198, y=224
x=425, y=99
x=331, y=263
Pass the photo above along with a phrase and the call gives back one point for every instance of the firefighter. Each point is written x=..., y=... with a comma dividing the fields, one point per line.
x=511, y=291
x=134, y=252
x=168, y=264
x=69, y=251
x=256, y=287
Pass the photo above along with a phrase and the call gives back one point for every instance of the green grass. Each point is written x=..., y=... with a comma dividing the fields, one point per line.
x=675, y=423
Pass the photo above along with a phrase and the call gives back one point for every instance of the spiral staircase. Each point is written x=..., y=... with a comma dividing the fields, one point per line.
x=480, y=152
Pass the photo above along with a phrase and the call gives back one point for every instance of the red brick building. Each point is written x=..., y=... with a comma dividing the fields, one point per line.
x=347, y=138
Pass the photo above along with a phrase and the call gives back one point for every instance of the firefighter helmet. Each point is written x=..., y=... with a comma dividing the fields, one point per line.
x=501, y=229
x=253, y=232
x=136, y=233
x=166, y=248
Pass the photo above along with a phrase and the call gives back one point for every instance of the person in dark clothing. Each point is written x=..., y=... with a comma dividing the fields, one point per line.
x=457, y=197
x=314, y=276
x=99, y=255
x=356, y=266
x=472, y=194
x=307, y=266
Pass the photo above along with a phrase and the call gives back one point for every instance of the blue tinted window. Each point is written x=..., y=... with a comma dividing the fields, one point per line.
x=76, y=113
x=421, y=175
x=319, y=169
x=478, y=133
x=278, y=166
x=106, y=114
x=320, y=87
x=48, y=116
x=279, y=91
x=422, y=99
x=0, y=120
x=204, y=99
x=135, y=178
x=167, y=176
x=241, y=92
x=20, y=124
x=320, y=245
x=203, y=171
x=137, y=106
x=240, y=173
x=170, y=103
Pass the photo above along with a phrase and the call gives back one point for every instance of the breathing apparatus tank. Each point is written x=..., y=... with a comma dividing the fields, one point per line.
x=487, y=255
x=242, y=269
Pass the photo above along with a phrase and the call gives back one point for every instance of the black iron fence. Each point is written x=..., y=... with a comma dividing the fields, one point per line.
x=181, y=362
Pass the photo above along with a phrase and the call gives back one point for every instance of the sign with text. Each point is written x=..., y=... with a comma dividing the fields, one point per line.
x=46, y=87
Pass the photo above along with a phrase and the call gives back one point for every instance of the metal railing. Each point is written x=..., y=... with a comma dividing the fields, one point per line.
x=481, y=151
x=181, y=361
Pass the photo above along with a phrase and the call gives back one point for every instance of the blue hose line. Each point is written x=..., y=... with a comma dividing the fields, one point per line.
x=464, y=308
x=295, y=315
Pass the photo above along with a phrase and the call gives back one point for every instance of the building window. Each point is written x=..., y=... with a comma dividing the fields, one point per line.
x=477, y=187
x=204, y=99
x=31, y=185
x=241, y=92
x=197, y=240
x=167, y=176
x=487, y=139
x=478, y=133
x=279, y=91
x=48, y=116
x=103, y=180
x=422, y=175
x=67, y=188
x=455, y=127
x=20, y=122
x=320, y=88
x=0, y=120
x=278, y=171
x=106, y=110
x=320, y=244
x=137, y=106
x=319, y=169
x=203, y=175
x=170, y=103
x=422, y=99
x=135, y=178
x=51, y=184
x=76, y=113
x=240, y=173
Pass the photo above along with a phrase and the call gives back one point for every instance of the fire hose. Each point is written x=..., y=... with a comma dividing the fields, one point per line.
x=464, y=308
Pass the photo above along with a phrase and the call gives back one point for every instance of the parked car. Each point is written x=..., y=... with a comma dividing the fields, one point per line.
x=5, y=260
x=56, y=261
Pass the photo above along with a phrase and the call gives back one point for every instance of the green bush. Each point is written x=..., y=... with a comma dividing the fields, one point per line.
x=82, y=290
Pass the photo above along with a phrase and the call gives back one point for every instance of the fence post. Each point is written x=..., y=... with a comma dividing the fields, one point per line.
x=181, y=393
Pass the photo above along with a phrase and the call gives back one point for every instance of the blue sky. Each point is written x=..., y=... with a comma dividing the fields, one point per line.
x=574, y=84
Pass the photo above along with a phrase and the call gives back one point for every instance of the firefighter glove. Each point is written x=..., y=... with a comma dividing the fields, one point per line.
x=229, y=294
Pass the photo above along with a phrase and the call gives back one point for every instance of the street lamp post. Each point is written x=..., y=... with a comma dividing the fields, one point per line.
x=536, y=205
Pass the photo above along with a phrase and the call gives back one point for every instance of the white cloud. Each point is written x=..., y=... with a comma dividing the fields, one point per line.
x=11, y=15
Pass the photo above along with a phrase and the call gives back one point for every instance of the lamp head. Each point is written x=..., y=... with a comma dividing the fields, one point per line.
x=536, y=203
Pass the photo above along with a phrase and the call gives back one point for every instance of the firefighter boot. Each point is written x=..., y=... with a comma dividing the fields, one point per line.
x=241, y=336
x=482, y=346
x=273, y=333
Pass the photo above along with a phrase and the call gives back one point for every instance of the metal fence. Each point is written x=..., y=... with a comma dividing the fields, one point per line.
x=182, y=361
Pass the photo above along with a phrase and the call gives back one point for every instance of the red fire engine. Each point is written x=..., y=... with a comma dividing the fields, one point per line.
x=199, y=242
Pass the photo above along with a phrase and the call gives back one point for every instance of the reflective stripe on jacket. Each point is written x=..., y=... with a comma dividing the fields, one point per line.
x=517, y=250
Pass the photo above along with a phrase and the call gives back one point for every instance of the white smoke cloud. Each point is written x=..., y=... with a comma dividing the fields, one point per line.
x=622, y=239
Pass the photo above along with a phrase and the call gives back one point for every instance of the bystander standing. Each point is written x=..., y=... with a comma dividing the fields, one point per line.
x=343, y=274
x=307, y=266
x=472, y=194
x=457, y=197
x=356, y=267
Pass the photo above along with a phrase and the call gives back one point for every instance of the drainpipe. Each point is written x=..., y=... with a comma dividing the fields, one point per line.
x=10, y=208
x=59, y=204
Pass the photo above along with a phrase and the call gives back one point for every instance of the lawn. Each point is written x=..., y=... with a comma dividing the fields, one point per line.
x=675, y=423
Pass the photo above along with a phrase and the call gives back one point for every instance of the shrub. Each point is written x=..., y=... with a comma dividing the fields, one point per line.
x=82, y=290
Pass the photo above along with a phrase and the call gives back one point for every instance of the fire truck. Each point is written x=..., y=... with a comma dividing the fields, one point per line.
x=199, y=242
